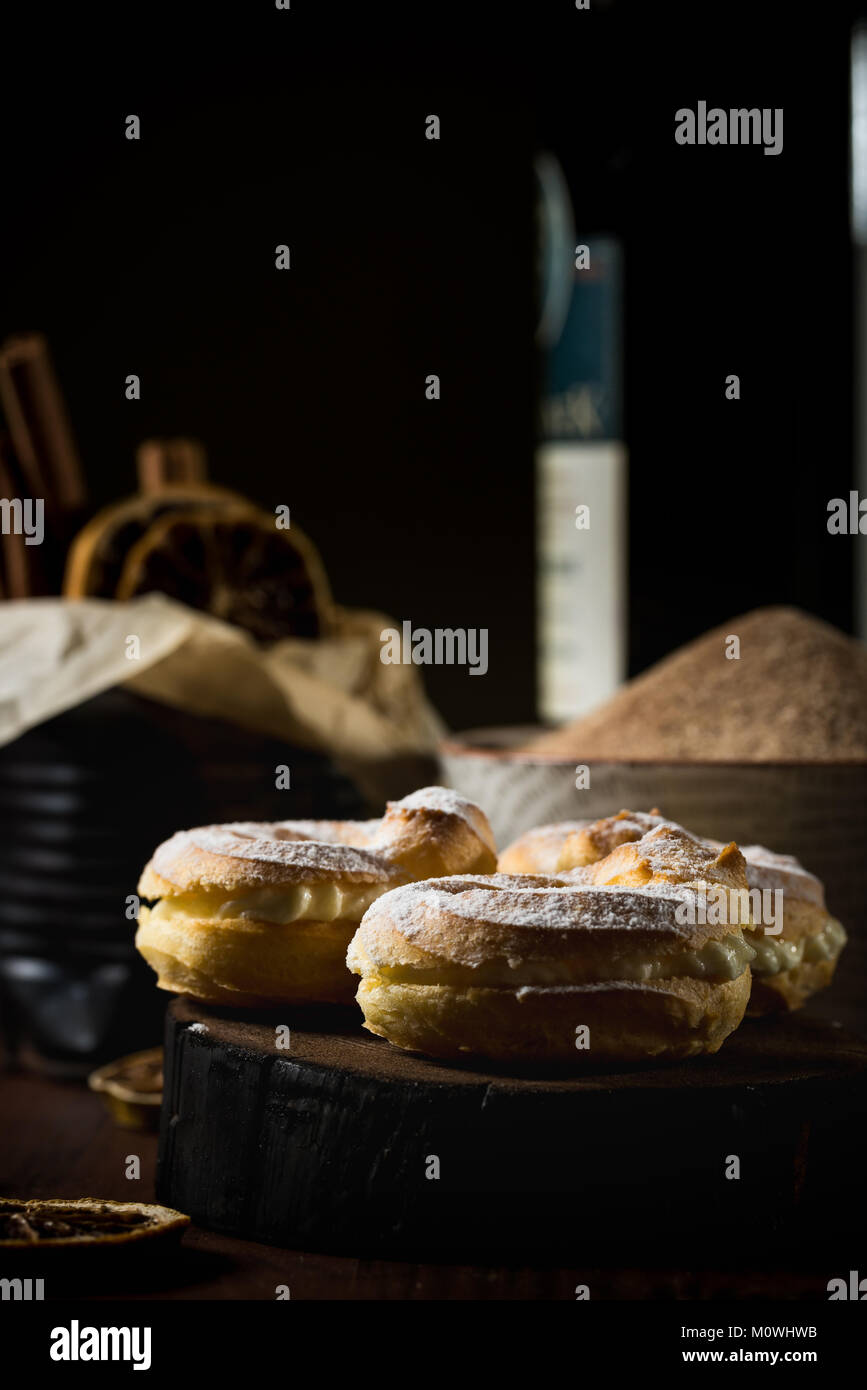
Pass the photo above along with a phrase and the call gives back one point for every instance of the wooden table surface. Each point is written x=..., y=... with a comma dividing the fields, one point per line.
x=58, y=1140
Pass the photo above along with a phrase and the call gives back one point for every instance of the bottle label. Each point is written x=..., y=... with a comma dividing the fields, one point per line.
x=581, y=548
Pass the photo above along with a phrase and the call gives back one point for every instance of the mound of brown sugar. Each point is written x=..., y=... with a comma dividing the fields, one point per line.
x=797, y=692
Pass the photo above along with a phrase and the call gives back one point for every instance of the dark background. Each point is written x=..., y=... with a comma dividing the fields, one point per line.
x=408, y=256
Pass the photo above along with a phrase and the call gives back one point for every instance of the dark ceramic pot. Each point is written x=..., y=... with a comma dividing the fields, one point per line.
x=84, y=799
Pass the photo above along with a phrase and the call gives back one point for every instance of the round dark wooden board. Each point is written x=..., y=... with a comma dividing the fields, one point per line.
x=341, y=1141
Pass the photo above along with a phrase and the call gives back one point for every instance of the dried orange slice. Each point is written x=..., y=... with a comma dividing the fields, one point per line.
x=132, y=1088
x=97, y=554
x=237, y=564
x=84, y=1223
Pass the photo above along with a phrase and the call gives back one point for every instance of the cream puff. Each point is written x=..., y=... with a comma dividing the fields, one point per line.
x=552, y=969
x=262, y=913
x=797, y=942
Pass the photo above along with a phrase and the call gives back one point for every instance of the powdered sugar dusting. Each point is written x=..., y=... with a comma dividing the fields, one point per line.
x=245, y=840
x=670, y=853
x=358, y=833
x=557, y=906
x=319, y=848
x=437, y=799
x=448, y=803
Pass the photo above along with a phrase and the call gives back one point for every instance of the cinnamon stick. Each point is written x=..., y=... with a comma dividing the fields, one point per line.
x=38, y=424
x=19, y=577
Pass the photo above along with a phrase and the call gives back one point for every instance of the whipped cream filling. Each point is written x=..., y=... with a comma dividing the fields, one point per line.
x=774, y=955
x=720, y=960
x=309, y=902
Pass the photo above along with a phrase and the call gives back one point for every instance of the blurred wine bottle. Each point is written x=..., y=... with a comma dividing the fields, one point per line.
x=580, y=459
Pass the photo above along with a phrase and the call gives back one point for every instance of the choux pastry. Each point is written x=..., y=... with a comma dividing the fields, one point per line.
x=795, y=954
x=607, y=963
x=253, y=913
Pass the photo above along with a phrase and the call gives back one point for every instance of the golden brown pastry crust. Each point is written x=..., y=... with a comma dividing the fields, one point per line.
x=509, y=966
x=433, y=831
x=604, y=851
x=230, y=858
x=239, y=912
x=668, y=854
x=627, y=1022
x=601, y=837
x=637, y=859
x=246, y=963
x=538, y=851
x=571, y=844
x=804, y=916
x=469, y=921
